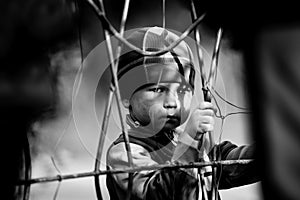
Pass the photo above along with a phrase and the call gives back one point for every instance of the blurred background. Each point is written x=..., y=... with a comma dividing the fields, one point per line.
x=44, y=43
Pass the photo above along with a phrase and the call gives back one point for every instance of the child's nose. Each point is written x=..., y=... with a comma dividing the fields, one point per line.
x=171, y=100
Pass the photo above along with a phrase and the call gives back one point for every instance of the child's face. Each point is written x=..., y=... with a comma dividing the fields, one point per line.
x=162, y=106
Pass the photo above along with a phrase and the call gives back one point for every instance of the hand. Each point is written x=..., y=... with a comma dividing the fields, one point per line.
x=201, y=120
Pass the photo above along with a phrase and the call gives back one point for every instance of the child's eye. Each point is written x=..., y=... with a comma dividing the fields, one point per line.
x=156, y=89
x=183, y=90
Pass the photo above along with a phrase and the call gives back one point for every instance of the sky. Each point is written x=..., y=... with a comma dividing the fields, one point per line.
x=72, y=137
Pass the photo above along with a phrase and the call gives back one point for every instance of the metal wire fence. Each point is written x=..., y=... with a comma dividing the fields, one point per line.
x=207, y=82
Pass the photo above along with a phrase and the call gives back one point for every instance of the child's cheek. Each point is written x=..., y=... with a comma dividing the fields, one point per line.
x=156, y=114
x=185, y=108
x=187, y=100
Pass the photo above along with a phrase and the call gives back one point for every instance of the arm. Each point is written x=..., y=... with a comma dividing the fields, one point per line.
x=201, y=121
x=154, y=185
x=237, y=175
x=165, y=184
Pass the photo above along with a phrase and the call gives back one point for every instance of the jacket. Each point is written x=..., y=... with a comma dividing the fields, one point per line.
x=169, y=184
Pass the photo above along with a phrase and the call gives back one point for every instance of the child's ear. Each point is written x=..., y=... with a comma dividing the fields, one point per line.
x=126, y=103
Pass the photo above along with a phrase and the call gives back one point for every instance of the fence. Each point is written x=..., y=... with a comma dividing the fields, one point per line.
x=207, y=86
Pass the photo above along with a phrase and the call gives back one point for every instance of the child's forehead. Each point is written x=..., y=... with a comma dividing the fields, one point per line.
x=169, y=85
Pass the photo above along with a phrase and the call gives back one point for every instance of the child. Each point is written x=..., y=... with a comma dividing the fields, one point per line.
x=157, y=91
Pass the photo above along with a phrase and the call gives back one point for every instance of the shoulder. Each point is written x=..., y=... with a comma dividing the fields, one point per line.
x=117, y=153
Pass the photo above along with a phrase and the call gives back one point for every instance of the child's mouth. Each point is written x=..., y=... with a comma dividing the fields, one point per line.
x=172, y=118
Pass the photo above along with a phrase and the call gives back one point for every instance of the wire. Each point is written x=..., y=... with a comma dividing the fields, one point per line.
x=223, y=117
x=108, y=26
x=55, y=166
x=59, y=181
x=215, y=59
x=164, y=13
x=27, y=158
x=219, y=140
x=110, y=95
x=228, y=102
x=78, y=78
x=235, y=113
x=133, y=170
x=114, y=69
x=57, y=190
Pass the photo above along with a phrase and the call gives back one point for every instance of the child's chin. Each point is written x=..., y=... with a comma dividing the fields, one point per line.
x=170, y=126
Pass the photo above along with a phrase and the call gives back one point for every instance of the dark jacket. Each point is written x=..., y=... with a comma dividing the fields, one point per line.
x=172, y=184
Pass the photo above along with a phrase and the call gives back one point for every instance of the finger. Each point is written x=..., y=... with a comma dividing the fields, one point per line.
x=207, y=112
x=206, y=105
x=206, y=128
x=215, y=110
x=207, y=120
